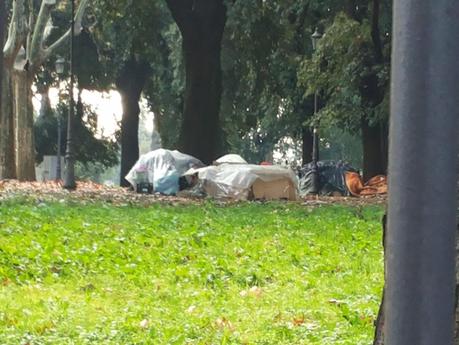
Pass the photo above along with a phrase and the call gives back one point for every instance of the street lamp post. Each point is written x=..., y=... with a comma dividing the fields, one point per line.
x=69, y=176
x=316, y=36
x=60, y=66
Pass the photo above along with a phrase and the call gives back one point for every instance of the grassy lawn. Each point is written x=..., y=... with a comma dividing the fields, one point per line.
x=196, y=274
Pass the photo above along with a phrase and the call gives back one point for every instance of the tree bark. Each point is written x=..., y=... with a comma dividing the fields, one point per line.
x=7, y=147
x=379, y=323
x=130, y=84
x=307, y=138
x=23, y=109
x=2, y=42
x=375, y=32
x=7, y=163
x=374, y=150
x=45, y=104
x=456, y=307
x=201, y=24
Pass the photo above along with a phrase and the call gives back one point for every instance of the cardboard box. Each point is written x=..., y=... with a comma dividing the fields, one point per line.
x=274, y=190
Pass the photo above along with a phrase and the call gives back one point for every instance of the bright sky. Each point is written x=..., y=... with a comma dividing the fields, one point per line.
x=107, y=106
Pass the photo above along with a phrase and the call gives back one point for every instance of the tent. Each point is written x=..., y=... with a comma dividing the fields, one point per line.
x=161, y=169
x=247, y=181
x=230, y=159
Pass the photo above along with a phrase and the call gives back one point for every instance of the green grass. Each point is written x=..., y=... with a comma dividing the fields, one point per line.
x=198, y=274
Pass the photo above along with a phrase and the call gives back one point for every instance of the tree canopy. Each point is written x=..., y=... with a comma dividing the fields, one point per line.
x=242, y=80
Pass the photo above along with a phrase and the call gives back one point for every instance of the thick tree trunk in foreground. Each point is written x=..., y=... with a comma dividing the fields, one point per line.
x=130, y=84
x=456, y=307
x=379, y=323
x=201, y=23
x=7, y=147
x=23, y=109
x=374, y=150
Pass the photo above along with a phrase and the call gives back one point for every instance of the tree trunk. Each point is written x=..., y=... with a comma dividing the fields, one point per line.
x=2, y=42
x=7, y=147
x=45, y=104
x=379, y=323
x=374, y=150
x=23, y=110
x=307, y=138
x=456, y=307
x=375, y=32
x=130, y=84
x=7, y=164
x=201, y=23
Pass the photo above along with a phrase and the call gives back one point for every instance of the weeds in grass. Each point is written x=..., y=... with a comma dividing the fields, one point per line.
x=242, y=274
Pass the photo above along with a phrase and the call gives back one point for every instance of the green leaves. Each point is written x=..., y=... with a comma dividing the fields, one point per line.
x=345, y=71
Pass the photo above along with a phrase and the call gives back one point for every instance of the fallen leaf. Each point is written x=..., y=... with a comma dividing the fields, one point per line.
x=191, y=309
x=298, y=321
x=255, y=291
x=144, y=324
x=224, y=323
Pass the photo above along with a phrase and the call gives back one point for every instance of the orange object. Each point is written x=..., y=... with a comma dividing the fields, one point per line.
x=376, y=185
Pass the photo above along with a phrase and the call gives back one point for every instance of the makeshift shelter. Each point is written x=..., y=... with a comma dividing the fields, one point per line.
x=332, y=178
x=161, y=169
x=342, y=179
x=247, y=181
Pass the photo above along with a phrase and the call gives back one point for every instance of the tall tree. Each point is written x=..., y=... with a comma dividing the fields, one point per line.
x=26, y=49
x=201, y=23
x=2, y=38
x=130, y=84
x=129, y=38
x=350, y=68
x=7, y=156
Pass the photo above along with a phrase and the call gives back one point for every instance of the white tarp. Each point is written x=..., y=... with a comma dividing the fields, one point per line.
x=161, y=167
x=230, y=159
x=235, y=181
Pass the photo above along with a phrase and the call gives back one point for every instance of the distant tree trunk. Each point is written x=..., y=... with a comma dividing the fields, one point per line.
x=201, y=23
x=374, y=150
x=307, y=138
x=23, y=109
x=130, y=84
x=45, y=104
x=7, y=146
x=375, y=32
x=374, y=136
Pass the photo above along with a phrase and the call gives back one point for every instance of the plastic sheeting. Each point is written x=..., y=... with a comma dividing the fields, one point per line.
x=162, y=168
x=332, y=178
x=235, y=181
x=230, y=159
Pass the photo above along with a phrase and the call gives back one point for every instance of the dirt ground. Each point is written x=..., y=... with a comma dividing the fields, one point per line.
x=87, y=192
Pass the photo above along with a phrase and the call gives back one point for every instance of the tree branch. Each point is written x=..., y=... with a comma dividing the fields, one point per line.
x=36, y=45
x=16, y=33
x=64, y=39
x=31, y=27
